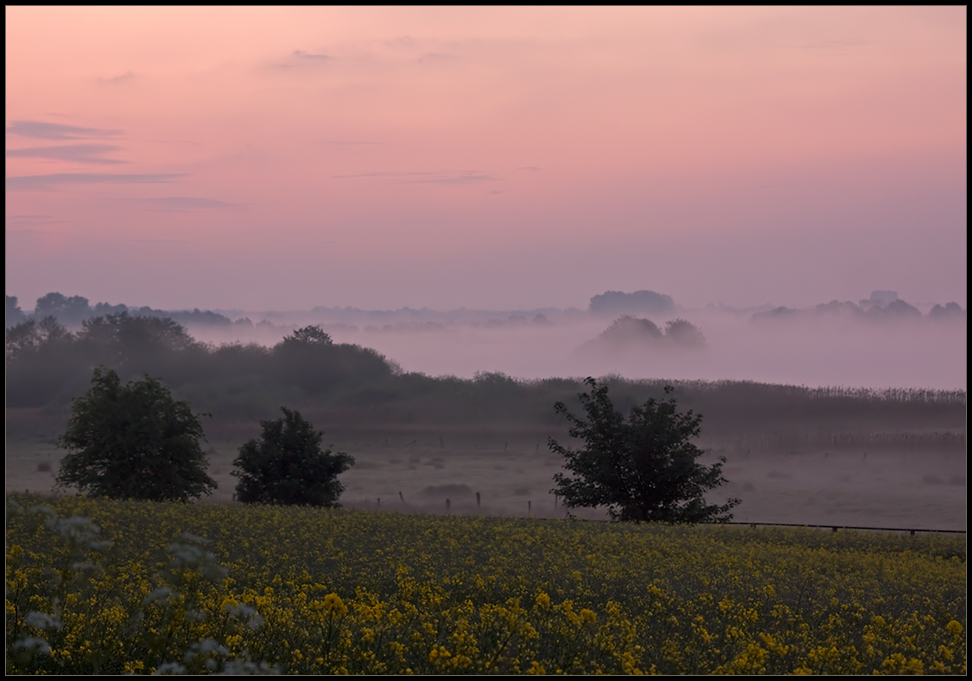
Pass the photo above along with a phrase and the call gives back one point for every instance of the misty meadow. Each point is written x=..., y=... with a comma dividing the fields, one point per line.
x=486, y=340
x=885, y=457
x=440, y=449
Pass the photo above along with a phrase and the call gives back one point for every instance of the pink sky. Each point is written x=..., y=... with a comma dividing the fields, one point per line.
x=282, y=158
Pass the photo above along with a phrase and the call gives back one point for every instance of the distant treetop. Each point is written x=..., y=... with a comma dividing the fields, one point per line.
x=644, y=302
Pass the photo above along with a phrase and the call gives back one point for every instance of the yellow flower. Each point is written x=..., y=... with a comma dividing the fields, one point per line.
x=587, y=615
x=334, y=604
x=954, y=628
x=439, y=652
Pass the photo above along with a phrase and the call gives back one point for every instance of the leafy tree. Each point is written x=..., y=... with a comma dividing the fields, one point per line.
x=288, y=466
x=133, y=442
x=642, y=469
x=41, y=362
x=310, y=359
x=628, y=329
x=646, y=302
x=125, y=337
x=684, y=334
x=13, y=315
x=310, y=335
x=67, y=310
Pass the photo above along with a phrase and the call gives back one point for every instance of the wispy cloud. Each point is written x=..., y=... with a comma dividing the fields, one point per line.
x=77, y=153
x=123, y=78
x=300, y=54
x=839, y=47
x=30, y=217
x=403, y=41
x=26, y=232
x=56, y=131
x=55, y=179
x=438, y=58
x=298, y=59
x=182, y=204
x=437, y=177
x=27, y=219
x=349, y=143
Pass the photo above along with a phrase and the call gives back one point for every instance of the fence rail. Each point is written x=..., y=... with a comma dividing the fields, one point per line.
x=849, y=527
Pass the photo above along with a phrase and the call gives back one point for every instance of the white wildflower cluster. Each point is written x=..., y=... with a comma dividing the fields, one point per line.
x=164, y=595
x=189, y=552
x=244, y=611
x=246, y=667
x=189, y=555
x=209, y=656
x=42, y=621
x=78, y=532
x=208, y=651
x=81, y=535
x=33, y=646
x=90, y=569
x=170, y=668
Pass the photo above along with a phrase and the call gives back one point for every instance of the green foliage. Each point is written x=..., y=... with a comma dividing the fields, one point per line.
x=133, y=442
x=309, y=358
x=287, y=465
x=644, y=469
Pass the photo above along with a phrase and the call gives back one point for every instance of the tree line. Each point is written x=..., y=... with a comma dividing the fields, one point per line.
x=73, y=310
x=136, y=441
x=47, y=365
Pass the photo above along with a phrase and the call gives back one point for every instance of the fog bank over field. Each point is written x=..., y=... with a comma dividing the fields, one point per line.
x=878, y=342
x=812, y=350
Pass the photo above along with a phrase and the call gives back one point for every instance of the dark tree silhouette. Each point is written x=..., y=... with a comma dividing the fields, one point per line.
x=67, y=310
x=641, y=469
x=133, y=442
x=287, y=465
x=643, y=302
x=684, y=334
x=13, y=315
x=310, y=359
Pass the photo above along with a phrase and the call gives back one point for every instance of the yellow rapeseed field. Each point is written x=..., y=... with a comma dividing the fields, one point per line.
x=96, y=586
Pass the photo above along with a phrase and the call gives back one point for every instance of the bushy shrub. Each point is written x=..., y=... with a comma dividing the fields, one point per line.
x=288, y=466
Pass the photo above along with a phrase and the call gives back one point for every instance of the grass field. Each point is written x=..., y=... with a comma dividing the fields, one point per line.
x=320, y=591
x=865, y=485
